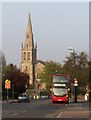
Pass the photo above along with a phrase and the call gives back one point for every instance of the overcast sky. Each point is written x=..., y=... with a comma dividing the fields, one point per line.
x=56, y=26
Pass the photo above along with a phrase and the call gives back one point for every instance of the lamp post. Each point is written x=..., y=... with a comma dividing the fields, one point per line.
x=70, y=48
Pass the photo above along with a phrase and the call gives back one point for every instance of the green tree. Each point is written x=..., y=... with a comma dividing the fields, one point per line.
x=8, y=68
x=50, y=69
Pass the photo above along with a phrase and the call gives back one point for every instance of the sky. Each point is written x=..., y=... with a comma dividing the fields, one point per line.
x=56, y=26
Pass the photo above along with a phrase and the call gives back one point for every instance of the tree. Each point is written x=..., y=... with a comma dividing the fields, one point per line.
x=50, y=69
x=17, y=78
x=89, y=81
x=81, y=68
x=2, y=65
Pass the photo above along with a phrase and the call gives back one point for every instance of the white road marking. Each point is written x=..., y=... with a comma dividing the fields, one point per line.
x=18, y=113
x=14, y=114
x=76, y=111
x=24, y=111
x=59, y=115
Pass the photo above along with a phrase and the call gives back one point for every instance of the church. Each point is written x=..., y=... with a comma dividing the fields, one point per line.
x=29, y=63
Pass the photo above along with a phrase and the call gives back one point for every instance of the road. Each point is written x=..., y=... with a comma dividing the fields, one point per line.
x=45, y=109
x=35, y=109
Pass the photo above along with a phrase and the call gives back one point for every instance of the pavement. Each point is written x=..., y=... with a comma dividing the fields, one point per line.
x=9, y=101
x=76, y=110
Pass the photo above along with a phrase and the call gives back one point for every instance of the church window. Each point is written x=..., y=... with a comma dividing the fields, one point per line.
x=24, y=55
x=27, y=46
x=26, y=68
x=28, y=56
x=27, y=36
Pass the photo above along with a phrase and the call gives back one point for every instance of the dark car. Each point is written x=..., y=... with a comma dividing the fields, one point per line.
x=23, y=98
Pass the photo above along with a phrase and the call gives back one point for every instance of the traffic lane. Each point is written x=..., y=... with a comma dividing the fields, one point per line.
x=36, y=108
x=41, y=111
x=10, y=110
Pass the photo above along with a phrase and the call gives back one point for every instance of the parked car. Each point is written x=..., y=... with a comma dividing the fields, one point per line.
x=44, y=96
x=23, y=98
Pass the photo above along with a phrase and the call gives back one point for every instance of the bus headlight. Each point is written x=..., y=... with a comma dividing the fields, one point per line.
x=66, y=95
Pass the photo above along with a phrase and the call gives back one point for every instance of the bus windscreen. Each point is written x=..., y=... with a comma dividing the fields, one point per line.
x=60, y=91
x=60, y=78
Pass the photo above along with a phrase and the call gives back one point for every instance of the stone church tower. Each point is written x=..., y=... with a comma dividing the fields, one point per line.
x=29, y=54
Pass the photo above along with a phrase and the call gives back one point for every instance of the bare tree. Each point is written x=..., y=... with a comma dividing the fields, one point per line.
x=81, y=67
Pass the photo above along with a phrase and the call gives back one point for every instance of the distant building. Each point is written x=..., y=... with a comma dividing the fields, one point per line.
x=29, y=62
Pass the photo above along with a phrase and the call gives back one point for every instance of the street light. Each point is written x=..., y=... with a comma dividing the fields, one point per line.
x=70, y=48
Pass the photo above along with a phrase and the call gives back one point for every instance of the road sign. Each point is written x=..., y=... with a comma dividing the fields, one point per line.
x=75, y=82
x=7, y=84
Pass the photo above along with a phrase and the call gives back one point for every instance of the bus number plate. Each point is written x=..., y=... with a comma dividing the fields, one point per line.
x=59, y=100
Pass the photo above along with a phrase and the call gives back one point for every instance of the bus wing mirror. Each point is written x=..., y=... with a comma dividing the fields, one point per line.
x=68, y=89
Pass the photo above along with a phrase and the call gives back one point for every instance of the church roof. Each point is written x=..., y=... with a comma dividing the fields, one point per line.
x=29, y=43
x=40, y=61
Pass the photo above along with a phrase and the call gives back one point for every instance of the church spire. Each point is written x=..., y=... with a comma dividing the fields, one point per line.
x=29, y=27
x=29, y=44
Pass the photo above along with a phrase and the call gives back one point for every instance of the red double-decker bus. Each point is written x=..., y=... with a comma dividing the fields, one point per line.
x=60, y=85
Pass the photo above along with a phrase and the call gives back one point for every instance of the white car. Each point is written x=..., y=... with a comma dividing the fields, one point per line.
x=44, y=96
